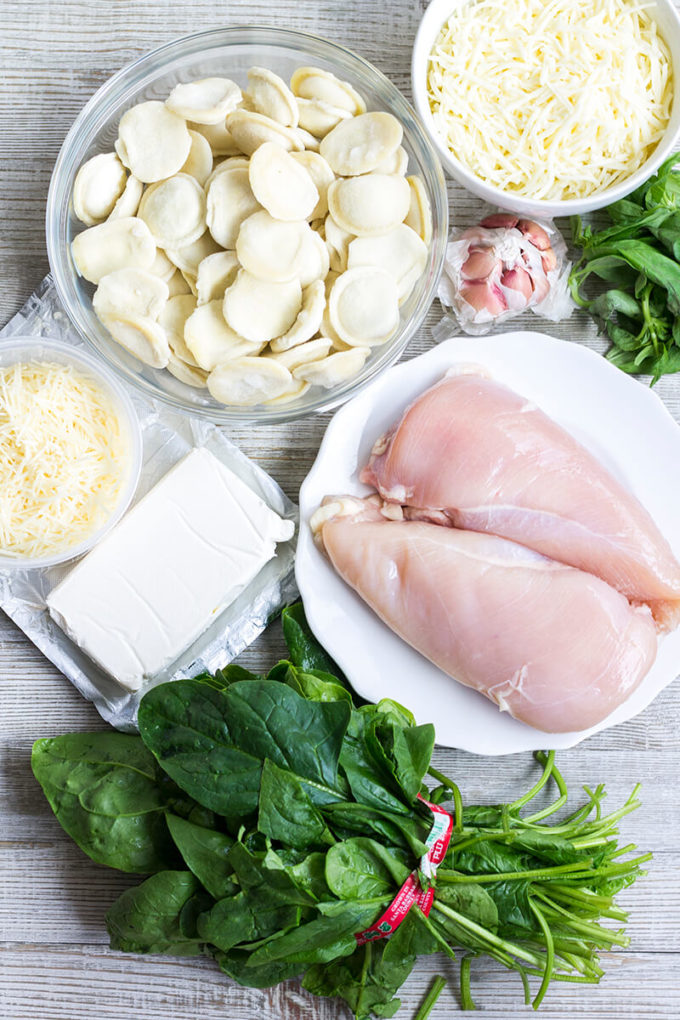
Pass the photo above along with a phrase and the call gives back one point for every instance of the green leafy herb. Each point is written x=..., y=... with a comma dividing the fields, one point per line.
x=105, y=790
x=206, y=853
x=213, y=743
x=640, y=257
x=146, y=918
x=297, y=817
x=305, y=651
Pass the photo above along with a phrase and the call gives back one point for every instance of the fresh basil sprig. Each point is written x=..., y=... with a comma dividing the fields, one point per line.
x=639, y=258
x=277, y=818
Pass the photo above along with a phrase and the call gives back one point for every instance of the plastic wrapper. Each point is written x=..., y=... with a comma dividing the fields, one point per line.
x=502, y=267
x=167, y=437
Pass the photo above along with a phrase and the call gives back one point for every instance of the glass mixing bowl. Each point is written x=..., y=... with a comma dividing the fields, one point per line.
x=230, y=52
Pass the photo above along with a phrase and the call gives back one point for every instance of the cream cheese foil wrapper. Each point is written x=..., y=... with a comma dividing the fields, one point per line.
x=167, y=437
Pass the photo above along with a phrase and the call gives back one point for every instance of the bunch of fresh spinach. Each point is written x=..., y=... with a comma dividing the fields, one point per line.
x=276, y=820
x=639, y=259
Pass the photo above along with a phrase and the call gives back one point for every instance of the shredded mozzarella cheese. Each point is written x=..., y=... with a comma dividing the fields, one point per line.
x=548, y=98
x=63, y=458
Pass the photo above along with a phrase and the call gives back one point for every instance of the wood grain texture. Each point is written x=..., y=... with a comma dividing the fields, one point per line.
x=54, y=964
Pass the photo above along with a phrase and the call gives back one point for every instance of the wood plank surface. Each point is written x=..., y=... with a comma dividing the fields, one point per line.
x=54, y=964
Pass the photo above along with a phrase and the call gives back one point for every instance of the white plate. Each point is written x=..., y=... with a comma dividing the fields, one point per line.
x=621, y=421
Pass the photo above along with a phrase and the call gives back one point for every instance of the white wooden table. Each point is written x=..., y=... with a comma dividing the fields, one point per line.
x=55, y=963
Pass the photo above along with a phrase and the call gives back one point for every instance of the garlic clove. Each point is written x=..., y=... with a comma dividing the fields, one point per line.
x=535, y=234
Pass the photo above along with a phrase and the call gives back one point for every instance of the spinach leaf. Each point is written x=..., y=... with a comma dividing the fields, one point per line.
x=369, y=979
x=482, y=816
x=246, y=917
x=235, y=965
x=213, y=743
x=471, y=899
x=347, y=819
x=363, y=772
x=547, y=846
x=305, y=651
x=515, y=916
x=191, y=911
x=361, y=868
x=307, y=872
x=310, y=875
x=270, y=900
x=324, y=938
x=254, y=873
x=486, y=857
x=314, y=685
x=391, y=711
x=363, y=980
x=146, y=918
x=105, y=792
x=286, y=812
x=205, y=852
x=404, y=753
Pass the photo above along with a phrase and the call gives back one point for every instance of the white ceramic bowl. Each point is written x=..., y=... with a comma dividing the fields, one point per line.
x=665, y=14
x=624, y=424
x=31, y=348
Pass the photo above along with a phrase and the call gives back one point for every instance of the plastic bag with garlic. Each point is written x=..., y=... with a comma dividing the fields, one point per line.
x=503, y=267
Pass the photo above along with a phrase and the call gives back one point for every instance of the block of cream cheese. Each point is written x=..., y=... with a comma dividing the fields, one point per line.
x=174, y=562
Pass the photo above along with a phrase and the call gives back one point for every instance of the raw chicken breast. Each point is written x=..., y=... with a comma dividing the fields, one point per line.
x=557, y=648
x=481, y=457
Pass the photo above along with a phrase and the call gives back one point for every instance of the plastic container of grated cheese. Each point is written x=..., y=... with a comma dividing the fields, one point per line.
x=33, y=349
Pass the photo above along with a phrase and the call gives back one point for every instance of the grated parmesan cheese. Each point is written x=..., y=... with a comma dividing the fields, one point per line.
x=63, y=458
x=551, y=99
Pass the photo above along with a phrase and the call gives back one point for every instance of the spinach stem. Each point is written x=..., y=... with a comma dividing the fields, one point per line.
x=593, y=931
x=525, y=983
x=485, y=934
x=549, y=954
x=437, y=936
x=547, y=771
x=466, y=999
x=453, y=877
x=556, y=804
x=457, y=798
x=427, y=1005
x=368, y=953
x=483, y=837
